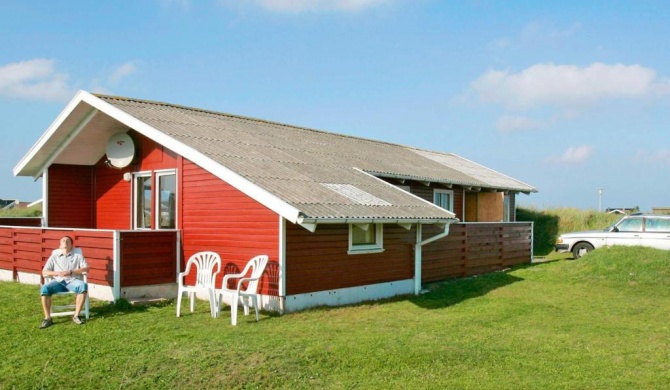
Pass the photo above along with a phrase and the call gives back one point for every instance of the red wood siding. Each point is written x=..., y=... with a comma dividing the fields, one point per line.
x=148, y=258
x=112, y=198
x=70, y=196
x=218, y=217
x=472, y=249
x=113, y=205
x=319, y=261
x=27, y=250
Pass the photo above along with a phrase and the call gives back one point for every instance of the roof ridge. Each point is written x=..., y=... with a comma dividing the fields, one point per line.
x=259, y=120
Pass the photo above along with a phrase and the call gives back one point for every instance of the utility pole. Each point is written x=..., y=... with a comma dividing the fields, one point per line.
x=600, y=199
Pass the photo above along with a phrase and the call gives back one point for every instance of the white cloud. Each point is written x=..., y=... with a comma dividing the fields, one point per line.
x=536, y=33
x=297, y=6
x=121, y=72
x=658, y=157
x=567, y=85
x=34, y=80
x=511, y=123
x=540, y=30
x=574, y=155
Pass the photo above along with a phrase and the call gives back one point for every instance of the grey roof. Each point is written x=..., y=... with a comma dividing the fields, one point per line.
x=323, y=175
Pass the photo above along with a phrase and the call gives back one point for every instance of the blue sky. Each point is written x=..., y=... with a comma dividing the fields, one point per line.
x=568, y=96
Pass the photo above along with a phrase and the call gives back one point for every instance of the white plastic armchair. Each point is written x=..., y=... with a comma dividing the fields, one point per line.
x=249, y=295
x=69, y=309
x=208, y=265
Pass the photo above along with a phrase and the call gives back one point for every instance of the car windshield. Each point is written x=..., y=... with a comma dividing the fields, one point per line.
x=610, y=227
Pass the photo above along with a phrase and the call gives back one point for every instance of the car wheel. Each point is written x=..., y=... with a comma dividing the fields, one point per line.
x=581, y=249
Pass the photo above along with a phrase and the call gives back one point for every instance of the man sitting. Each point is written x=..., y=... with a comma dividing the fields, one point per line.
x=62, y=266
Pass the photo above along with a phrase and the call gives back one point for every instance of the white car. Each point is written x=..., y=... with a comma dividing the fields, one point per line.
x=637, y=229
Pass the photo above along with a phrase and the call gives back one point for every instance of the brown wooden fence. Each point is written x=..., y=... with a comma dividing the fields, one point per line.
x=477, y=248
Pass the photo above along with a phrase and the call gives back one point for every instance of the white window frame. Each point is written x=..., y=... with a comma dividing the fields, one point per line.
x=157, y=204
x=444, y=192
x=507, y=207
x=135, y=194
x=378, y=245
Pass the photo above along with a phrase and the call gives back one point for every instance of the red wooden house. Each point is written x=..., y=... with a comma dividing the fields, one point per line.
x=143, y=185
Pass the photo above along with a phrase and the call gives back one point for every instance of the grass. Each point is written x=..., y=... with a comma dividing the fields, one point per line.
x=596, y=323
x=35, y=211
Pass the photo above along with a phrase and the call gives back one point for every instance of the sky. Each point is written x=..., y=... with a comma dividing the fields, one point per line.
x=571, y=97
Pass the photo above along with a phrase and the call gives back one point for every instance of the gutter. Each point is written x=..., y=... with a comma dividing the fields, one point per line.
x=418, y=249
x=310, y=223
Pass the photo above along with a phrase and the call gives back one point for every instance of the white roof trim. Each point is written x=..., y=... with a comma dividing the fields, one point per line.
x=48, y=134
x=252, y=190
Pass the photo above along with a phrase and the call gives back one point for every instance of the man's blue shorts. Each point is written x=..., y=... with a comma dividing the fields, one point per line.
x=74, y=285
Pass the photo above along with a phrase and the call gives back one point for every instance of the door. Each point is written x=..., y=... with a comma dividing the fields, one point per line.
x=628, y=232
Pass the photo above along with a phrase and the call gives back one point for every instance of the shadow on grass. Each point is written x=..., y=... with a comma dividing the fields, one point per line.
x=448, y=293
x=123, y=307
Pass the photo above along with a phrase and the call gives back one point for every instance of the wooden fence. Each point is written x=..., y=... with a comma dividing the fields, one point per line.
x=117, y=259
x=477, y=248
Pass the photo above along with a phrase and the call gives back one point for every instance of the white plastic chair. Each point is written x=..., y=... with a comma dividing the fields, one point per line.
x=208, y=265
x=68, y=310
x=248, y=295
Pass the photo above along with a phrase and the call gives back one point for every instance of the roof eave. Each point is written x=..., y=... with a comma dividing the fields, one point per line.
x=22, y=167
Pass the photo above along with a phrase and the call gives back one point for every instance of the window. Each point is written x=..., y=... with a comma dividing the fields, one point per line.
x=142, y=203
x=630, y=225
x=444, y=199
x=163, y=193
x=166, y=201
x=657, y=225
x=365, y=238
x=507, y=208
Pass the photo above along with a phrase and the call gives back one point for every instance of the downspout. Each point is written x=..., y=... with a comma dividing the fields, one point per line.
x=417, y=252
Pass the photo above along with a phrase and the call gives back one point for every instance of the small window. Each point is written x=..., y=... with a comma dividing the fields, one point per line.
x=657, y=225
x=155, y=206
x=444, y=199
x=365, y=238
x=507, y=208
x=631, y=225
x=166, y=201
x=142, y=204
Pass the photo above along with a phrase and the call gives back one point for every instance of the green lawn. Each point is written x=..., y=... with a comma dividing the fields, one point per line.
x=596, y=323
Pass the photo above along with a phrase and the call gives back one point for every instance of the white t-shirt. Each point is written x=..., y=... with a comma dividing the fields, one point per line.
x=58, y=261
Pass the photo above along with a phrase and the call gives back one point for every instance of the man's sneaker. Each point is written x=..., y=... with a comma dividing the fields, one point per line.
x=46, y=323
x=77, y=320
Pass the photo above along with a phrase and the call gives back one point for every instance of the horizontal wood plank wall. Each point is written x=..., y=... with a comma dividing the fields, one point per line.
x=27, y=250
x=425, y=192
x=148, y=258
x=21, y=221
x=112, y=198
x=70, y=193
x=319, y=261
x=218, y=217
x=113, y=204
x=472, y=249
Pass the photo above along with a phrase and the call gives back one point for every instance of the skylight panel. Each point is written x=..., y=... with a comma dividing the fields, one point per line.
x=356, y=194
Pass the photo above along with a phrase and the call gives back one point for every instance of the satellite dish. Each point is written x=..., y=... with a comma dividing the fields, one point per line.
x=120, y=150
